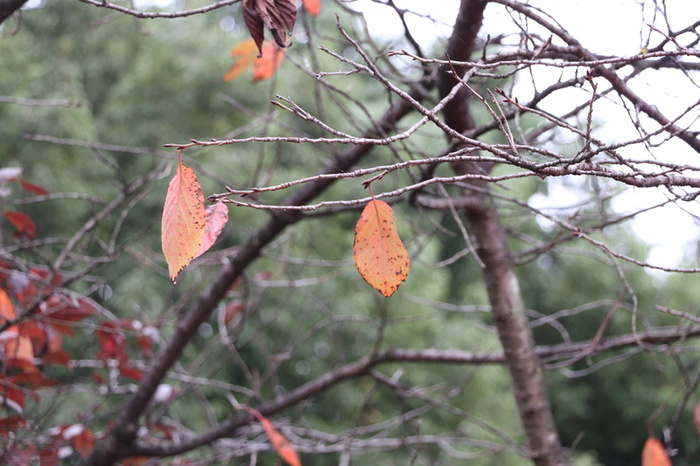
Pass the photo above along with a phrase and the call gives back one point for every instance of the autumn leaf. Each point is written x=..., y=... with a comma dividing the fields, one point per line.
x=184, y=220
x=82, y=439
x=11, y=396
x=216, y=218
x=7, y=310
x=696, y=418
x=279, y=442
x=32, y=188
x=312, y=6
x=10, y=425
x=245, y=55
x=278, y=16
x=264, y=67
x=380, y=256
x=24, y=226
x=654, y=453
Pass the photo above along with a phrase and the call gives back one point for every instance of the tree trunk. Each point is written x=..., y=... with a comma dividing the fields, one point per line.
x=498, y=272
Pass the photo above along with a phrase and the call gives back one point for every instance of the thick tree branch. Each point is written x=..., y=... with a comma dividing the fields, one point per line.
x=498, y=270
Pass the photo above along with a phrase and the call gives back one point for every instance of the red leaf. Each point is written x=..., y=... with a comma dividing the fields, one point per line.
x=184, y=218
x=24, y=225
x=232, y=310
x=60, y=358
x=82, y=439
x=11, y=397
x=111, y=340
x=312, y=6
x=654, y=453
x=33, y=379
x=49, y=457
x=280, y=443
x=131, y=373
x=11, y=424
x=696, y=418
x=380, y=256
x=98, y=378
x=61, y=312
x=27, y=186
x=217, y=216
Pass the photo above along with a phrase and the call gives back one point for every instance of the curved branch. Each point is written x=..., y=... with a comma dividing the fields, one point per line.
x=154, y=15
x=563, y=351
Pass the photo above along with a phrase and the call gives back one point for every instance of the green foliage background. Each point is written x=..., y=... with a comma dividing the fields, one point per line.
x=147, y=83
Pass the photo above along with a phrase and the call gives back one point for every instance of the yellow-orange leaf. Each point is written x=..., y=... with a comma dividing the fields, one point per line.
x=245, y=54
x=380, y=256
x=184, y=218
x=264, y=66
x=17, y=349
x=217, y=216
x=7, y=310
x=271, y=59
x=312, y=6
x=279, y=442
x=654, y=453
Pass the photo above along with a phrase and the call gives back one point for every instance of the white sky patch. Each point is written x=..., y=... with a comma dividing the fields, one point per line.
x=606, y=27
x=426, y=22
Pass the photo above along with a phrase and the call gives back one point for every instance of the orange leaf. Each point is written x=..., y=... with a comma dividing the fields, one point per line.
x=217, y=216
x=280, y=443
x=82, y=439
x=312, y=6
x=17, y=349
x=183, y=223
x=380, y=256
x=7, y=310
x=264, y=66
x=245, y=54
x=654, y=453
x=271, y=59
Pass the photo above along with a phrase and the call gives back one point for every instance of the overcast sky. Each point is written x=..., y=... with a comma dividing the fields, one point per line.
x=607, y=27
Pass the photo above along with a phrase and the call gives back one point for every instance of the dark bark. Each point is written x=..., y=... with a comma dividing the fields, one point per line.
x=498, y=271
x=8, y=7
